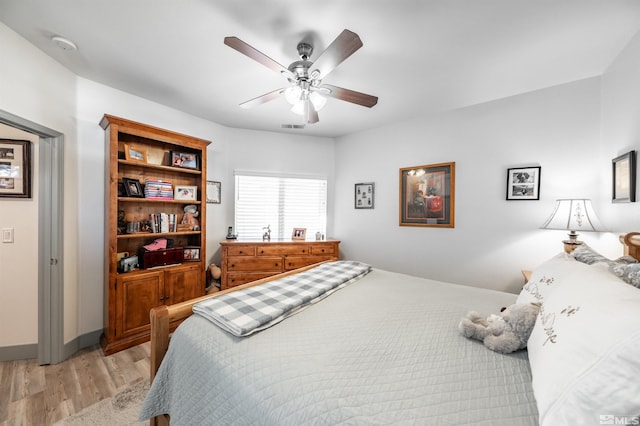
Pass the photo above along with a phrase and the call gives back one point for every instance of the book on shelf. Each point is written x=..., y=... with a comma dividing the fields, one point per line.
x=163, y=222
x=157, y=189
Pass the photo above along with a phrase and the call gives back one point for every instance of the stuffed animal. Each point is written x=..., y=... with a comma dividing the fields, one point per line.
x=215, y=271
x=503, y=333
x=190, y=217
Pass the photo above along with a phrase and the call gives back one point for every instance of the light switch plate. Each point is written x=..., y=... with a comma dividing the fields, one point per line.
x=7, y=235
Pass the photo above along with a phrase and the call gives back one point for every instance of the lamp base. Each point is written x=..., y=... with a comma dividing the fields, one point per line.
x=571, y=245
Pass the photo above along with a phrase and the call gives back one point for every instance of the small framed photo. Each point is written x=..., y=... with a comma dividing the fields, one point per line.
x=624, y=178
x=132, y=153
x=191, y=254
x=213, y=192
x=15, y=168
x=186, y=160
x=188, y=193
x=364, y=195
x=523, y=183
x=132, y=188
x=299, y=234
x=121, y=192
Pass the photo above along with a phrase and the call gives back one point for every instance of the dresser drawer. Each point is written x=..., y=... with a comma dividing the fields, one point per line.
x=273, y=250
x=241, y=251
x=242, y=263
x=239, y=278
x=295, y=262
x=323, y=249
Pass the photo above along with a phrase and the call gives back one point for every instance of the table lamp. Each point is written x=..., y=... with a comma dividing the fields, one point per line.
x=573, y=214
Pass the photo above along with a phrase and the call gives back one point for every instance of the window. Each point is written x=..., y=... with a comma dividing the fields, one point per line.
x=281, y=202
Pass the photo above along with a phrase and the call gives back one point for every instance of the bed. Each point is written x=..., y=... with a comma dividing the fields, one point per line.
x=385, y=349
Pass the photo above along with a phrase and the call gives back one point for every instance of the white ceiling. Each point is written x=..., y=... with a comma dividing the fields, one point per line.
x=419, y=56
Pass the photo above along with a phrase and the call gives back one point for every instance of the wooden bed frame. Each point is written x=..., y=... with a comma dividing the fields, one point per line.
x=163, y=316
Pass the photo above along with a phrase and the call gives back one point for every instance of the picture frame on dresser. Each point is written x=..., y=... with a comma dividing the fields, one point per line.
x=299, y=234
x=364, y=195
x=624, y=178
x=15, y=168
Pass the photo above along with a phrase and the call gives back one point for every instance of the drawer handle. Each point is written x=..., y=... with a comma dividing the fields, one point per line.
x=261, y=251
x=241, y=252
x=233, y=265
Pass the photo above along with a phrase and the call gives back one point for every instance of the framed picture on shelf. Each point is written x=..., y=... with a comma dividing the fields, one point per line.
x=624, y=178
x=364, y=195
x=15, y=168
x=427, y=195
x=132, y=188
x=132, y=153
x=191, y=254
x=523, y=183
x=299, y=234
x=185, y=160
x=213, y=192
x=121, y=191
x=184, y=192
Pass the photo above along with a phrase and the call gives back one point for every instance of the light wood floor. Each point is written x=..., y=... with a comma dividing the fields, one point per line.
x=36, y=395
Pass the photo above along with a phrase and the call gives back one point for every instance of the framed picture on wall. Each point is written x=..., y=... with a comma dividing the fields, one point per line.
x=15, y=168
x=624, y=178
x=213, y=192
x=427, y=195
x=364, y=195
x=523, y=183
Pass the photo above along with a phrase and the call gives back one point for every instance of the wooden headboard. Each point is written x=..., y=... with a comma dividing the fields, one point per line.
x=631, y=242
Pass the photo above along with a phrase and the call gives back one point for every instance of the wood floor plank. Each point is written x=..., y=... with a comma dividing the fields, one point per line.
x=34, y=395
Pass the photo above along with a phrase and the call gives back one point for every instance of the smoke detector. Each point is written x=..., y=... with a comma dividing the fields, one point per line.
x=64, y=44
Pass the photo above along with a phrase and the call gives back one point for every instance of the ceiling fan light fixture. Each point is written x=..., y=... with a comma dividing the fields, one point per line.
x=298, y=108
x=317, y=100
x=293, y=94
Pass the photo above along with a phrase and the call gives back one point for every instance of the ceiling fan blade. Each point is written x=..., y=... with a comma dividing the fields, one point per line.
x=340, y=49
x=256, y=55
x=262, y=99
x=348, y=95
x=310, y=113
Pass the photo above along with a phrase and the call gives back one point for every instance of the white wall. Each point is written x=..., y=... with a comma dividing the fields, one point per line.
x=19, y=274
x=556, y=128
x=35, y=87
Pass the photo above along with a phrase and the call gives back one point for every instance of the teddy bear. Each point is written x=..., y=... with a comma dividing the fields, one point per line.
x=190, y=217
x=504, y=333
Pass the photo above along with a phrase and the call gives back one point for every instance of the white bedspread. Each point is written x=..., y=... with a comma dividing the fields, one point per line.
x=384, y=350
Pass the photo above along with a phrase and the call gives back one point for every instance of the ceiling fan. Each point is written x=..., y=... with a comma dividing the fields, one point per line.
x=307, y=91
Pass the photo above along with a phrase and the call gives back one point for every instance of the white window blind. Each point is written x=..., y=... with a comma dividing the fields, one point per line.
x=282, y=203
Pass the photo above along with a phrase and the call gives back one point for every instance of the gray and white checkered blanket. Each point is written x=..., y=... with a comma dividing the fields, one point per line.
x=244, y=312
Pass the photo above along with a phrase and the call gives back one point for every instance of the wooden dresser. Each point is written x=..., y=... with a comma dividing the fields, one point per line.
x=245, y=261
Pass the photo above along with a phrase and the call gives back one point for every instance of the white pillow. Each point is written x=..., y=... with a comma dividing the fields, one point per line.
x=584, y=350
x=546, y=276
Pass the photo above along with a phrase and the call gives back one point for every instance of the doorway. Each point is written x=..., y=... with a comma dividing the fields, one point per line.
x=50, y=237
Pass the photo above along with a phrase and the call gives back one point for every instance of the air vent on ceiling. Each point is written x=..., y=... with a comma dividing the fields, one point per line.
x=293, y=126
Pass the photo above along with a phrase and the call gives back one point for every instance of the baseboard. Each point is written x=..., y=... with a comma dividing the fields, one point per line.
x=81, y=342
x=13, y=353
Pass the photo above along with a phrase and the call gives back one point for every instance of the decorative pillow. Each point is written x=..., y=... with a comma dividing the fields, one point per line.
x=545, y=277
x=585, y=254
x=584, y=350
x=629, y=273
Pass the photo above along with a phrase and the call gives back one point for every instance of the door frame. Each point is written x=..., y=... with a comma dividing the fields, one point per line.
x=50, y=237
